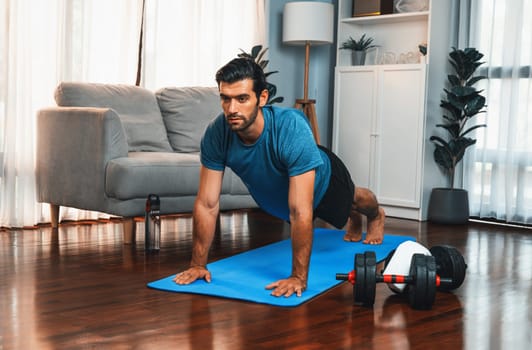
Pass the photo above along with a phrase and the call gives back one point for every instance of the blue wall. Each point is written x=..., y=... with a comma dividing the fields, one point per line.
x=290, y=62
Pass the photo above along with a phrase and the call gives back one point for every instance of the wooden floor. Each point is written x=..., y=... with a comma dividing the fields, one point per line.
x=80, y=288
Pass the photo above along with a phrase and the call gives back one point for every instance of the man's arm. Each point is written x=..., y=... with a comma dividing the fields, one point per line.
x=300, y=199
x=205, y=215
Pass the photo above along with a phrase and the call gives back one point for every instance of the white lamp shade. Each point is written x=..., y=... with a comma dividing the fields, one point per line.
x=308, y=21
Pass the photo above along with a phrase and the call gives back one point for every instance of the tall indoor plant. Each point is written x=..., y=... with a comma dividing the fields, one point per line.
x=257, y=55
x=359, y=48
x=462, y=103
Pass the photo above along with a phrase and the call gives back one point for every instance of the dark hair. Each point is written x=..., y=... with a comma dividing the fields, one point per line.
x=240, y=69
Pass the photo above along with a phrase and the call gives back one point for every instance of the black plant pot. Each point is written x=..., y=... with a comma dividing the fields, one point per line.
x=448, y=206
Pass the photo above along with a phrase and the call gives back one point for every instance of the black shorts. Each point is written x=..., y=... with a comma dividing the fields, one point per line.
x=335, y=205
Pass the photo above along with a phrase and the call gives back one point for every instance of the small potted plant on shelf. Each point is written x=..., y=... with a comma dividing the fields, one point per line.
x=462, y=103
x=359, y=48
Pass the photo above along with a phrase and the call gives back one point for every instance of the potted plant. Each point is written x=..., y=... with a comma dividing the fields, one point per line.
x=359, y=48
x=462, y=103
x=257, y=54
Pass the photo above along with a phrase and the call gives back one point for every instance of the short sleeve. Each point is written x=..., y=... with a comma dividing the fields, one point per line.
x=213, y=146
x=300, y=152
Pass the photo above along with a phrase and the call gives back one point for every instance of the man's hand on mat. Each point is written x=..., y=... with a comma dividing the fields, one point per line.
x=287, y=287
x=192, y=274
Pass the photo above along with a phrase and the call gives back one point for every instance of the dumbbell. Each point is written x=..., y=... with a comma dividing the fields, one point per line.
x=444, y=270
x=450, y=264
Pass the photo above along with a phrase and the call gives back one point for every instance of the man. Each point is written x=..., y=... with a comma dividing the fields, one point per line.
x=273, y=151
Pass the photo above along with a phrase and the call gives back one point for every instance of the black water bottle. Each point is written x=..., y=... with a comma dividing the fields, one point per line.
x=152, y=231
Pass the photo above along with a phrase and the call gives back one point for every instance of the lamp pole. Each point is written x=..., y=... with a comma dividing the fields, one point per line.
x=308, y=106
x=307, y=60
x=308, y=23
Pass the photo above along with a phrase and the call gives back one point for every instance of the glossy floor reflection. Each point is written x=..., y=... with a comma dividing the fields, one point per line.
x=79, y=287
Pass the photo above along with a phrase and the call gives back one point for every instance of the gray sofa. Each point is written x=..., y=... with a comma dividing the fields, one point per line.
x=105, y=147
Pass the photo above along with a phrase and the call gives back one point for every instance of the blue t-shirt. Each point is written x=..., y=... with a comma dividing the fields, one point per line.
x=285, y=148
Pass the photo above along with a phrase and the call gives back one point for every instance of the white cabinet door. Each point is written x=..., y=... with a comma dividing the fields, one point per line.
x=378, y=129
x=399, y=135
x=355, y=93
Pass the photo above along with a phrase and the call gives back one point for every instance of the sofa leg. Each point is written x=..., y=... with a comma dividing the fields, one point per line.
x=54, y=215
x=130, y=230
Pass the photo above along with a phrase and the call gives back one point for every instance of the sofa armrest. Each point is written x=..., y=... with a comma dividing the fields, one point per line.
x=74, y=145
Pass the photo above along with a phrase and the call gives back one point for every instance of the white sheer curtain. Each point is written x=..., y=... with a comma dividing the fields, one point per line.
x=498, y=170
x=186, y=41
x=45, y=42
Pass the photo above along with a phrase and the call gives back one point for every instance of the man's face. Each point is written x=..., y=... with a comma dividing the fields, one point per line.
x=240, y=104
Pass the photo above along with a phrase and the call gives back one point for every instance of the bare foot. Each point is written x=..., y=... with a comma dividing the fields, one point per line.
x=376, y=229
x=352, y=237
x=353, y=232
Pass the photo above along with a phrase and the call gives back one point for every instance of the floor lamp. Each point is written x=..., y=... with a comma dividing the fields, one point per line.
x=308, y=23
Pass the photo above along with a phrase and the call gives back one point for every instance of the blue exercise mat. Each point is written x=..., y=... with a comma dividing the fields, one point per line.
x=244, y=276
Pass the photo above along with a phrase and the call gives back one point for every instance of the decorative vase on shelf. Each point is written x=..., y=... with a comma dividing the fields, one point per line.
x=411, y=5
x=358, y=57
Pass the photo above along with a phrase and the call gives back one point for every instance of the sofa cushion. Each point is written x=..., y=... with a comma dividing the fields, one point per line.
x=163, y=173
x=186, y=113
x=137, y=108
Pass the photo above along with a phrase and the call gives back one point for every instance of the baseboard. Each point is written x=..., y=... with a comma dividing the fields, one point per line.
x=403, y=213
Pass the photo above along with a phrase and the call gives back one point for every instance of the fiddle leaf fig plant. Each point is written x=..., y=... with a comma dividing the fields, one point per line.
x=463, y=102
x=257, y=55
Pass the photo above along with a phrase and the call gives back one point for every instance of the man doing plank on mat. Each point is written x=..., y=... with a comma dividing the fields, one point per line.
x=273, y=151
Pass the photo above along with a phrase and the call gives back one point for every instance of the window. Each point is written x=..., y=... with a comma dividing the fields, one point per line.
x=499, y=169
x=45, y=42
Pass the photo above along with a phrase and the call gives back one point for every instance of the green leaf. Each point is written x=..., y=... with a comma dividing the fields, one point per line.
x=474, y=106
x=443, y=158
x=439, y=141
x=463, y=91
x=278, y=99
x=272, y=89
x=263, y=64
x=244, y=55
x=451, y=119
x=255, y=50
x=270, y=73
x=459, y=146
x=261, y=54
x=454, y=80
x=455, y=101
x=453, y=129
x=476, y=79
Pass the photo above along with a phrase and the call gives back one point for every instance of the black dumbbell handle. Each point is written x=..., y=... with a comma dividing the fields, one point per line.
x=342, y=276
x=444, y=281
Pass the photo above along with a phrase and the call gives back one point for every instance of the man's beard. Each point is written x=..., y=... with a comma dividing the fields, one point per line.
x=246, y=123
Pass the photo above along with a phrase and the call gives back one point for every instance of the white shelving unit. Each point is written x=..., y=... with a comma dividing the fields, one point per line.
x=394, y=33
x=384, y=113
